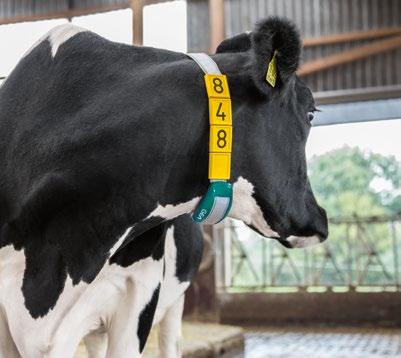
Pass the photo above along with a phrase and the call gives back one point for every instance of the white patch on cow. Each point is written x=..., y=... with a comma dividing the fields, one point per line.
x=171, y=288
x=62, y=34
x=114, y=300
x=171, y=211
x=120, y=241
x=303, y=241
x=246, y=208
x=57, y=36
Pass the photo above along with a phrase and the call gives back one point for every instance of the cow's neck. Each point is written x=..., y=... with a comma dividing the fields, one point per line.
x=182, y=179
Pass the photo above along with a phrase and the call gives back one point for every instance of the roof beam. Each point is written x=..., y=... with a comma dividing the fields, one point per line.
x=352, y=55
x=351, y=36
x=66, y=14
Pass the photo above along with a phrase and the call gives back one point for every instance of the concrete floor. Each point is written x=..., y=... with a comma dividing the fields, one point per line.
x=211, y=340
x=322, y=343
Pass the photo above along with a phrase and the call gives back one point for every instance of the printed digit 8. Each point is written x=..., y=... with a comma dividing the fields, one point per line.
x=218, y=85
x=221, y=138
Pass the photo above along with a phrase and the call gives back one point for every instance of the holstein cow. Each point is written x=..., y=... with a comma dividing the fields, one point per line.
x=167, y=256
x=178, y=255
x=101, y=142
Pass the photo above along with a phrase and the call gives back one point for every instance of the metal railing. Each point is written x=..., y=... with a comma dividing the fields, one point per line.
x=361, y=254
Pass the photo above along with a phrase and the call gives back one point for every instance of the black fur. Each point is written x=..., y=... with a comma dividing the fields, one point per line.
x=188, y=239
x=149, y=243
x=146, y=319
x=239, y=43
x=270, y=35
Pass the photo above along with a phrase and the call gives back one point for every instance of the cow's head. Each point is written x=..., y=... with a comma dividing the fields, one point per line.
x=272, y=193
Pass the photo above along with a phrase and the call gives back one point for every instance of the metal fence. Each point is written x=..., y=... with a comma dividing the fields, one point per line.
x=361, y=254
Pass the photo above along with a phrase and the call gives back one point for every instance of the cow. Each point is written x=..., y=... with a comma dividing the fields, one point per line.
x=101, y=142
x=182, y=255
x=173, y=250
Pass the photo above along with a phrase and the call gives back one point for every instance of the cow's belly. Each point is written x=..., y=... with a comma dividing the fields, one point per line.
x=80, y=309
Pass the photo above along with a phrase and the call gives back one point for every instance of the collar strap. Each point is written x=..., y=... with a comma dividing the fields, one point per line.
x=216, y=203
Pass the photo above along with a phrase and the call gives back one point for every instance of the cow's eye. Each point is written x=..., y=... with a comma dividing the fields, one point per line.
x=311, y=116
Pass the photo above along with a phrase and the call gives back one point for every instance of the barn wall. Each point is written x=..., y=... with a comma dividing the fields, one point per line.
x=378, y=309
x=315, y=18
x=15, y=9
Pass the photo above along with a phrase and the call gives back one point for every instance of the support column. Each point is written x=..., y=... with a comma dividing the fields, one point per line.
x=216, y=16
x=137, y=21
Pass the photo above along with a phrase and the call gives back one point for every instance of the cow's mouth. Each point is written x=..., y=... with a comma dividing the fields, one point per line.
x=292, y=241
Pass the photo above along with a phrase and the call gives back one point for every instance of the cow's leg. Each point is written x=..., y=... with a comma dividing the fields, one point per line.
x=96, y=344
x=7, y=346
x=129, y=327
x=170, y=331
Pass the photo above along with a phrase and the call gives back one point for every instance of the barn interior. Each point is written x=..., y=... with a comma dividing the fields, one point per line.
x=252, y=297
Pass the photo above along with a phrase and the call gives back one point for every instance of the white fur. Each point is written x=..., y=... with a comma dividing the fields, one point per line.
x=303, y=241
x=112, y=303
x=171, y=288
x=119, y=241
x=170, y=331
x=62, y=34
x=57, y=36
x=171, y=211
x=168, y=312
x=245, y=208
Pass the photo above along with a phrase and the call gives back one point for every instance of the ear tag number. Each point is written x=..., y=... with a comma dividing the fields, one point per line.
x=271, y=74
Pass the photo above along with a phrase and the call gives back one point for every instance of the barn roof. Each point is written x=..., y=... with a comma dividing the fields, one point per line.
x=13, y=11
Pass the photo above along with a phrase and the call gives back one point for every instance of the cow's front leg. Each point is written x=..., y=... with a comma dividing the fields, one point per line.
x=130, y=325
x=7, y=346
x=170, y=332
x=96, y=344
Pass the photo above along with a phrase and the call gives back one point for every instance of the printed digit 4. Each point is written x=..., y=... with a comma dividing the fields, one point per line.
x=220, y=113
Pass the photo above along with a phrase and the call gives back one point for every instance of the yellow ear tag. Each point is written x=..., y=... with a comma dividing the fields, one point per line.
x=271, y=74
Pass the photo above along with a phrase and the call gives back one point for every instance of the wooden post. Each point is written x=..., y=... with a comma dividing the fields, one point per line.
x=137, y=22
x=216, y=18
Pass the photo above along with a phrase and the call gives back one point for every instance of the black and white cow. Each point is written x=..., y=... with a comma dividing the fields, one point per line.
x=179, y=261
x=101, y=142
x=145, y=283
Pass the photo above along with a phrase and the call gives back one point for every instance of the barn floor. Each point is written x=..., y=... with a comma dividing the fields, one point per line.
x=322, y=343
x=201, y=340
x=210, y=341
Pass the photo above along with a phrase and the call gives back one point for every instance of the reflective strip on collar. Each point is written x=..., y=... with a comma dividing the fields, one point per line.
x=206, y=63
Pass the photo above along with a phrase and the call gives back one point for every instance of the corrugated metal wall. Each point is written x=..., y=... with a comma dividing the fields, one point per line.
x=24, y=8
x=13, y=8
x=315, y=18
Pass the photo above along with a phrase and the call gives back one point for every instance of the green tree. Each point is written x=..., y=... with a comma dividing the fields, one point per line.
x=348, y=181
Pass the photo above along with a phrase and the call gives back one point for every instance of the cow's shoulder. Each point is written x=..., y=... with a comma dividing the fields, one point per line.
x=56, y=37
x=61, y=34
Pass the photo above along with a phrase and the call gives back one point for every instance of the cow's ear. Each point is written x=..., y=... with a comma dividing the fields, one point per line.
x=276, y=48
x=239, y=43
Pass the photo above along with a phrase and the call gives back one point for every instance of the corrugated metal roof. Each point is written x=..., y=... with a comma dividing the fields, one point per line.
x=12, y=11
x=315, y=18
